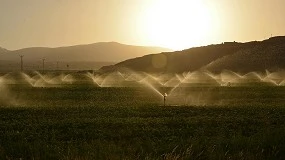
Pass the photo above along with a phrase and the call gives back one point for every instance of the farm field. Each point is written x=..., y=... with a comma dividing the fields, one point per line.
x=84, y=121
x=142, y=80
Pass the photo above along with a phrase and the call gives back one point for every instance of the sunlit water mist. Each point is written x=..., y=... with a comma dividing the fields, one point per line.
x=6, y=98
x=189, y=88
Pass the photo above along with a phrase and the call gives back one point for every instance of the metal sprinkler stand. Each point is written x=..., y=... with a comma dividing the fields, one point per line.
x=164, y=98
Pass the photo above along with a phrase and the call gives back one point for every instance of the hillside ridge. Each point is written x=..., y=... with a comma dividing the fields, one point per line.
x=245, y=57
x=101, y=51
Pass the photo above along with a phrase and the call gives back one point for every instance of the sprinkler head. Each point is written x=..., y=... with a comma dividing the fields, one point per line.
x=164, y=98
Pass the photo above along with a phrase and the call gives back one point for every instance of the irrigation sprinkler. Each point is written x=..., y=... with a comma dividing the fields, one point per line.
x=164, y=98
x=57, y=65
x=43, y=64
x=21, y=62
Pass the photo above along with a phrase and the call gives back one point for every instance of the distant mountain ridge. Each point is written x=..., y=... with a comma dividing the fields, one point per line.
x=240, y=57
x=100, y=52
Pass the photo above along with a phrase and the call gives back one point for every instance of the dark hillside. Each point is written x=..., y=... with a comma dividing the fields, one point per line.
x=186, y=60
x=267, y=55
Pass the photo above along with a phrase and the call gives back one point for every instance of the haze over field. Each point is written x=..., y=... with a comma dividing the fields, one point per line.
x=142, y=79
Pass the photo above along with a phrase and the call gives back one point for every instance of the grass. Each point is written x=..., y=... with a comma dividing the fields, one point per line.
x=129, y=123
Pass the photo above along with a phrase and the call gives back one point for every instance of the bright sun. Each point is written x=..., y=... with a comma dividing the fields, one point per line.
x=176, y=24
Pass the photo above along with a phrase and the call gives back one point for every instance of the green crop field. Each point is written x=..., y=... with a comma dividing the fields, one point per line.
x=81, y=121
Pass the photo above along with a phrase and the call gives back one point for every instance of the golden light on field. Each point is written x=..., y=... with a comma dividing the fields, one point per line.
x=176, y=24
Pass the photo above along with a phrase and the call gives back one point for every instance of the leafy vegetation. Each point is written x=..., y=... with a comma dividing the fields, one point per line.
x=83, y=122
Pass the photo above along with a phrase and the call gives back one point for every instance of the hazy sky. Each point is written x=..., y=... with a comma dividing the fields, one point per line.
x=175, y=24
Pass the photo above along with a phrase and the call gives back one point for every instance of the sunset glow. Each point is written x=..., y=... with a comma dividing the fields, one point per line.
x=176, y=24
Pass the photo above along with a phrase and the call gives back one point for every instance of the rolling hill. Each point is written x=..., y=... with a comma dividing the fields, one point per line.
x=109, y=52
x=241, y=57
x=100, y=52
x=267, y=55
